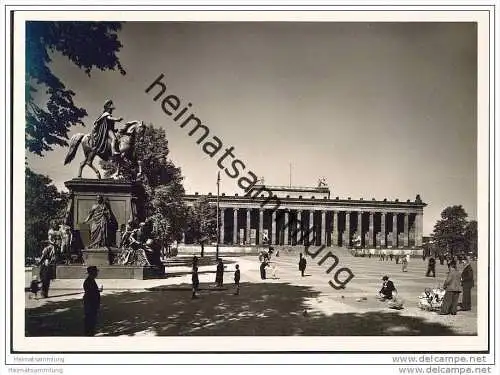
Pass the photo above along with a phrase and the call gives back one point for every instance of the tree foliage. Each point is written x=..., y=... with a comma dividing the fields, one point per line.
x=449, y=232
x=162, y=180
x=202, y=221
x=471, y=237
x=88, y=45
x=44, y=205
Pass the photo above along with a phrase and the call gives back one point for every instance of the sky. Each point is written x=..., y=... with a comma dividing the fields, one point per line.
x=381, y=110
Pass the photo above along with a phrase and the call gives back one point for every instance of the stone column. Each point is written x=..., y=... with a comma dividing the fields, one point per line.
x=249, y=212
x=394, y=229
x=347, y=232
x=382, y=229
x=405, y=237
x=323, y=228
x=299, y=227
x=286, y=229
x=360, y=224
x=335, y=232
x=273, y=228
x=221, y=239
x=235, y=226
x=311, y=227
x=370, y=230
x=261, y=225
x=419, y=228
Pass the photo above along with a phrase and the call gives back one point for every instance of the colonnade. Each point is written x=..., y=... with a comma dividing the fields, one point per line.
x=320, y=226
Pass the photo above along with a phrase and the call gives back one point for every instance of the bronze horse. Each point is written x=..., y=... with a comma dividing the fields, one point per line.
x=126, y=139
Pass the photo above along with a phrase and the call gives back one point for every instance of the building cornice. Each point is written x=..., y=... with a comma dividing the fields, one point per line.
x=308, y=203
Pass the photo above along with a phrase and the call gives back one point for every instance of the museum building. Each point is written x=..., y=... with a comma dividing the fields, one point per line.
x=292, y=216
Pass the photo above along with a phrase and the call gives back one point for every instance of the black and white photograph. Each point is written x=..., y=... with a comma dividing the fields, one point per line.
x=251, y=181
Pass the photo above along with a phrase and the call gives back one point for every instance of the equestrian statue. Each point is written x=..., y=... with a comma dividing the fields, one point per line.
x=103, y=142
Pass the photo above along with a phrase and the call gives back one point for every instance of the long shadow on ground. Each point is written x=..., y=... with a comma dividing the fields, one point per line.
x=260, y=309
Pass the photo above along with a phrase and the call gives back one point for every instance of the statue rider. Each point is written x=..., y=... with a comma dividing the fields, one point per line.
x=104, y=130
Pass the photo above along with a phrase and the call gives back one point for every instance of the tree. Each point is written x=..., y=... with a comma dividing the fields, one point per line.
x=449, y=231
x=471, y=237
x=44, y=205
x=88, y=45
x=167, y=213
x=164, y=205
x=203, y=222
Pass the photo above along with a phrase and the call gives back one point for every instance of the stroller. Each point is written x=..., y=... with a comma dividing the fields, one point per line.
x=431, y=299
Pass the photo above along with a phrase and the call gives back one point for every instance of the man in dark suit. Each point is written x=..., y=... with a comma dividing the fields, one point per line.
x=467, y=285
x=45, y=277
x=219, y=273
x=91, y=301
x=263, y=266
x=195, y=280
x=387, y=288
x=302, y=265
x=452, y=287
x=431, y=267
x=237, y=279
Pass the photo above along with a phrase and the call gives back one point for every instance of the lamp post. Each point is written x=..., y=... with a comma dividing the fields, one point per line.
x=218, y=228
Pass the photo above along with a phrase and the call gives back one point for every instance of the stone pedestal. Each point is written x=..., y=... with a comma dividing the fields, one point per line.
x=103, y=256
x=125, y=199
x=126, y=202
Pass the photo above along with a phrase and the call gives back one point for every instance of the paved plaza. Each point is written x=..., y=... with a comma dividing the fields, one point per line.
x=286, y=305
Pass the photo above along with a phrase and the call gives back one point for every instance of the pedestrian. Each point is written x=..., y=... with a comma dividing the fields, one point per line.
x=34, y=287
x=391, y=256
x=404, y=262
x=397, y=259
x=441, y=259
x=302, y=264
x=467, y=284
x=195, y=280
x=219, y=273
x=237, y=280
x=452, y=288
x=431, y=267
x=91, y=301
x=263, y=266
x=449, y=259
x=45, y=277
x=387, y=289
